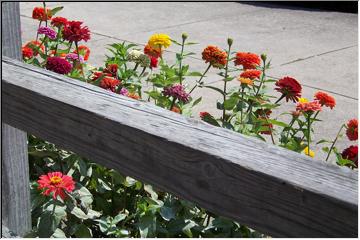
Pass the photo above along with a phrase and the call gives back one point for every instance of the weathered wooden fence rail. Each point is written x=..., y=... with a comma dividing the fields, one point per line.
x=273, y=190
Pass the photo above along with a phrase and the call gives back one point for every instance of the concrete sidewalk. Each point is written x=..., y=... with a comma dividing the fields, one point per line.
x=319, y=48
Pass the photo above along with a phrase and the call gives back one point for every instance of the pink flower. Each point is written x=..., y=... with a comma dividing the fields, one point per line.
x=56, y=183
x=177, y=91
x=48, y=32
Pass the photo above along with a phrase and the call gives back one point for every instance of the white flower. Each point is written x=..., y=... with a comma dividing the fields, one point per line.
x=134, y=55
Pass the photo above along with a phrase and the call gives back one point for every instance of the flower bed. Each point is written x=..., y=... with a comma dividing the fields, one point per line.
x=74, y=197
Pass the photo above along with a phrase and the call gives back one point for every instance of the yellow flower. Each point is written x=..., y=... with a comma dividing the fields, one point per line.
x=303, y=100
x=160, y=40
x=246, y=81
x=306, y=151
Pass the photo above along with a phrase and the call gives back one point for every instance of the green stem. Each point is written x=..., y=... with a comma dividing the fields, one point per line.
x=44, y=4
x=57, y=40
x=142, y=72
x=37, y=34
x=308, y=132
x=172, y=103
x=82, y=70
x=180, y=61
x=333, y=144
x=290, y=126
x=271, y=133
x=261, y=83
x=241, y=110
x=282, y=96
x=202, y=76
x=225, y=83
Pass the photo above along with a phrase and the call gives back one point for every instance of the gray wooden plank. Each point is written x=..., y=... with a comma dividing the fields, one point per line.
x=273, y=190
x=14, y=159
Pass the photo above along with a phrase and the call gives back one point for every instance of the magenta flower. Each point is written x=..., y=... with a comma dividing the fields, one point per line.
x=177, y=91
x=58, y=65
x=48, y=32
x=74, y=57
x=124, y=91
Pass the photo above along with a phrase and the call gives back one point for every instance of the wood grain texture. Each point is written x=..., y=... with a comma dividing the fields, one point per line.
x=273, y=190
x=15, y=190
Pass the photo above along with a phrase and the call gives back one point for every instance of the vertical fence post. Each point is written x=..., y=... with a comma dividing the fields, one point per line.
x=15, y=197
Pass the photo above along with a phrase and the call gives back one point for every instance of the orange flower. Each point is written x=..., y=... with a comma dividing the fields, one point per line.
x=176, y=109
x=246, y=81
x=33, y=45
x=133, y=96
x=352, y=130
x=39, y=14
x=247, y=60
x=325, y=99
x=148, y=50
x=27, y=53
x=252, y=74
x=84, y=51
x=308, y=107
x=215, y=56
x=109, y=83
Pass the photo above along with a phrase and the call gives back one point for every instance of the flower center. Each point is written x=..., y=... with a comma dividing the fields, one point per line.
x=55, y=180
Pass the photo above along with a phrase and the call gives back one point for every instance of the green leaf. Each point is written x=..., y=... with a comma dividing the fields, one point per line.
x=323, y=141
x=79, y=213
x=47, y=225
x=167, y=213
x=84, y=195
x=191, y=43
x=58, y=234
x=150, y=190
x=216, y=89
x=56, y=10
x=326, y=149
x=194, y=74
x=118, y=218
x=147, y=226
x=230, y=103
x=83, y=231
x=197, y=101
x=278, y=123
x=129, y=182
x=175, y=42
x=211, y=120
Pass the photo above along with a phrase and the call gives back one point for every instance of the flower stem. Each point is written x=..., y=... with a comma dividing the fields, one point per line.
x=180, y=61
x=225, y=83
x=241, y=110
x=172, y=103
x=261, y=83
x=333, y=143
x=57, y=40
x=282, y=96
x=142, y=72
x=290, y=126
x=37, y=33
x=77, y=51
x=202, y=76
x=308, y=132
x=46, y=16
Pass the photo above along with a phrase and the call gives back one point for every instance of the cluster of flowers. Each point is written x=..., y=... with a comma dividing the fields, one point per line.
x=60, y=30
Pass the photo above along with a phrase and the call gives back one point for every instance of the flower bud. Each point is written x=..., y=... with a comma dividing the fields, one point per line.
x=230, y=41
x=263, y=57
x=184, y=36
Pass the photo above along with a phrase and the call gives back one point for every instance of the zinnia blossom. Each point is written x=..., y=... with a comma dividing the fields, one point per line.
x=252, y=74
x=83, y=50
x=308, y=107
x=351, y=153
x=112, y=69
x=159, y=41
x=56, y=183
x=33, y=44
x=175, y=109
x=247, y=60
x=215, y=56
x=58, y=65
x=204, y=115
x=246, y=81
x=303, y=100
x=124, y=91
x=290, y=88
x=74, y=57
x=154, y=52
x=47, y=32
x=268, y=126
x=310, y=154
x=263, y=112
x=109, y=83
x=97, y=75
x=153, y=62
x=59, y=21
x=176, y=91
x=352, y=130
x=74, y=32
x=325, y=99
x=27, y=53
x=133, y=96
x=39, y=14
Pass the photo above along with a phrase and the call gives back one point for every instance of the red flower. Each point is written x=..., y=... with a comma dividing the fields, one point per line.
x=352, y=130
x=111, y=69
x=73, y=32
x=351, y=153
x=289, y=87
x=27, y=52
x=215, y=56
x=148, y=50
x=34, y=45
x=263, y=112
x=247, y=60
x=39, y=14
x=252, y=74
x=59, y=21
x=176, y=109
x=133, y=96
x=56, y=183
x=83, y=50
x=58, y=65
x=153, y=62
x=109, y=83
x=325, y=99
x=309, y=107
x=267, y=126
x=204, y=114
